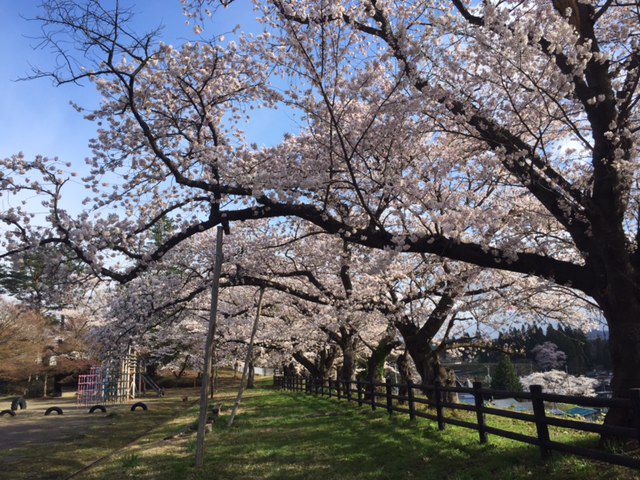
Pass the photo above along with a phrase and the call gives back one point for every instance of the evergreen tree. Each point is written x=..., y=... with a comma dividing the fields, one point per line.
x=505, y=377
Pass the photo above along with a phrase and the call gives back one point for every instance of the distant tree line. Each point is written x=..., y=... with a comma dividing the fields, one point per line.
x=583, y=353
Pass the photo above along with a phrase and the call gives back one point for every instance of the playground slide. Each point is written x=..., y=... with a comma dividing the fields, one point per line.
x=150, y=384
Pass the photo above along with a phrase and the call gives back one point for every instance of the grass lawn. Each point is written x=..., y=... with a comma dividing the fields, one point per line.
x=284, y=435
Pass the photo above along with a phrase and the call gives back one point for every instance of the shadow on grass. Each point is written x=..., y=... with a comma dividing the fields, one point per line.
x=281, y=435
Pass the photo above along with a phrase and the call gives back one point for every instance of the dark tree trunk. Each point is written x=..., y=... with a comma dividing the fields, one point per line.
x=378, y=357
x=427, y=363
x=419, y=341
x=184, y=366
x=624, y=345
x=348, y=347
x=321, y=365
x=251, y=377
x=325, y=360
x=288, y=369
x=405, y=375
x=619, y=297
x=57, y=385
x=347, y=340
x=349, y=358
x=309, y=365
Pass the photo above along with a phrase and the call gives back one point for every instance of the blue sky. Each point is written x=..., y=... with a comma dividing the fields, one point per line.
x=36, y=117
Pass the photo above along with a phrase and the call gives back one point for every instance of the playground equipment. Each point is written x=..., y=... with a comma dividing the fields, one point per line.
x=116, y=381
x=147, y=382
x=113, y=382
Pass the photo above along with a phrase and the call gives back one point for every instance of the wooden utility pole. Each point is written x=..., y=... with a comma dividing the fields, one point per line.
x=247, y=359
x=206, y=371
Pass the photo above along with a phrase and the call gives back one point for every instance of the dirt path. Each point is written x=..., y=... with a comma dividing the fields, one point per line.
x=32, y=427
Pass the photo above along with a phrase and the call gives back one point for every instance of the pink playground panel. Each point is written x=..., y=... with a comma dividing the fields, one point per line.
x=90, y=387
x=113, y=382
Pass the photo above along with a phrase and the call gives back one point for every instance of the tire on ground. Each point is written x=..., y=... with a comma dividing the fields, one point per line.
x=102, y=408
x=11, y=413
x=138, y=404
x=50, y=410
x=18, y=403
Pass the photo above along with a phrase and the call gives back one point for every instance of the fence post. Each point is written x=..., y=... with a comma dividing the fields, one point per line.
x=330, y=388
x=479, y=401
x=541, y=420
x=635, y=405
x=348, y=389
x=387, y=387
x=373, y=395
x=321, y=386
x=339, y=389
x=412, y=404
x=439, y=410
x=359, y=388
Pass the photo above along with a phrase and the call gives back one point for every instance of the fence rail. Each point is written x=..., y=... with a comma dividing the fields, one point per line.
x=381, y=395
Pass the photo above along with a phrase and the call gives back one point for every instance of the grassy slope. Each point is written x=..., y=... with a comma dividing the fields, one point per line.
x=292, y=436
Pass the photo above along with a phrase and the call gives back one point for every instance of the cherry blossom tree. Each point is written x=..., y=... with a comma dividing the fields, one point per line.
x=557, y=381
x=548, y=357
x=536, y=99
x=503, y=135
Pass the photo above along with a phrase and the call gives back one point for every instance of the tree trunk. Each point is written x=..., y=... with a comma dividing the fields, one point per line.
x=419, y=341
x=310, y=366
x=208, y=351
x=378, y=357
x=247, y=360
x=405, y=375
x=183, y=368
x=321, y=365
x=252, y=373
x=347, y=340
x=57, y=386
x=624, y=345
x=348, y=367
x=426, y=360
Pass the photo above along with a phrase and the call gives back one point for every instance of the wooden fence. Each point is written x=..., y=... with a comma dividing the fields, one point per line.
x=381, y=395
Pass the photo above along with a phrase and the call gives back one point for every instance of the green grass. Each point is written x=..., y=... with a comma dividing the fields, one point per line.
x=282, y=435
